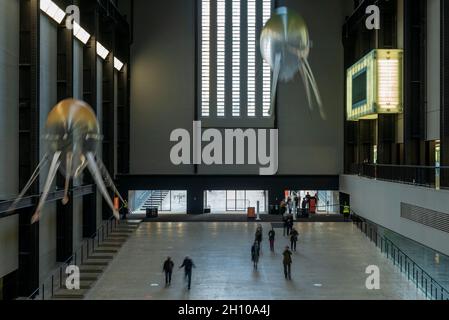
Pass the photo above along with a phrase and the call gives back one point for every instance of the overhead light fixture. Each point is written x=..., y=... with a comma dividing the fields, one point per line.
x=102, y=51
x=118, y=64
x=52, y=10
x=81, y=34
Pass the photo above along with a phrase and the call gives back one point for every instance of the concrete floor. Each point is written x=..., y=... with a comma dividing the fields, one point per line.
x=330, y=264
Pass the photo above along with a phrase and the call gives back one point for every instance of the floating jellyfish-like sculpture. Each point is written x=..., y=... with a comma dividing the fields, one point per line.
x=72, y=137
x=285, y=46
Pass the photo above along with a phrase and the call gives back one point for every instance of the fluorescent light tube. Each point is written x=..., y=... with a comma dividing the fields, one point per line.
x=52, y=10
x=102, y=51
x=118, y=64
x=81, y=34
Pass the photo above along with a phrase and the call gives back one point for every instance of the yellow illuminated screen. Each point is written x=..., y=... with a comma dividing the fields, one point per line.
x=374, y=85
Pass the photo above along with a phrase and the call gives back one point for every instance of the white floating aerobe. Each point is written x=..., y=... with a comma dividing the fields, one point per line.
x=285, y=46
x=72, y=137
x=262, y=147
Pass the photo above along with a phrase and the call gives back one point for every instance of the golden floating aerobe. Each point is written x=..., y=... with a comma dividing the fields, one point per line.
x=72, y=136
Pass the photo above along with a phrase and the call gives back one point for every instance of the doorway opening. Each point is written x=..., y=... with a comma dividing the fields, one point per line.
x=166, y=201
x=315, y=201
x=235, y=201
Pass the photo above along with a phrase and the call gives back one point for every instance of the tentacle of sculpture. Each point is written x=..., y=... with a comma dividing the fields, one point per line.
x=80, y=167
x=313, y=83
x=108, y=179
x=50, y=177
x=276, y=71
x=29, y=183
x=305, y=79
x=95, y=172
x=69, y=161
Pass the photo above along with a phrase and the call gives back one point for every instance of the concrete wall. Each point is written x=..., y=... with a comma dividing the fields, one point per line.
x=9, y=126
x=47, y=99
x=77, y=70
x=9, y=245
x=433, y=69
x=400, y=26
x=163, y=90
x=9, y=98
x=100, y=120
x=380, y=202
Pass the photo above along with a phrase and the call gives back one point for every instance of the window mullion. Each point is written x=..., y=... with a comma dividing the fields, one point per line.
x=243, y=58
x=259, y=59
x=235, y=42
x=213, y=58
x=205, y=58
x=266, y=73
x=221, y=57
x=251, y=56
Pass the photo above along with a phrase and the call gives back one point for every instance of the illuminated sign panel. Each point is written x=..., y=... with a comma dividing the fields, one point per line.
x=374, y=85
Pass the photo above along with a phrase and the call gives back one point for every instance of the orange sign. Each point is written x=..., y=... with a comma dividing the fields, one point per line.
x=116, y=203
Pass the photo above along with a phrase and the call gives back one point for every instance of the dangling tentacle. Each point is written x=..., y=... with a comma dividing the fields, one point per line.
x=95, y=172
x=314, y=85
x=50, y=177
x=69, y=161
x=276, y=71
x=80, y=167
x=108, y=179
x=306, y=85
x=29, y=183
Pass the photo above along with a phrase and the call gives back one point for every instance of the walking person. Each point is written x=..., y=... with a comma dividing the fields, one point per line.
x=188, y=265
x=287, y=263
x=258, y=236
x=285, y=221
x=168, y=270
x=304, y=208
x=294, y=239
x=290, y=205
x=255, y=253
x=289, y=224
x=271, y=236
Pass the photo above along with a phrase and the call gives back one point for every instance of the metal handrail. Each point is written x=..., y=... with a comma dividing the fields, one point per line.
x=80, y=252
x=414, y=272
x=402, y=166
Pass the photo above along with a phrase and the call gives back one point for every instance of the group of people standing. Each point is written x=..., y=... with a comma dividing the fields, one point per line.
x=287, y=253
x=290, y=206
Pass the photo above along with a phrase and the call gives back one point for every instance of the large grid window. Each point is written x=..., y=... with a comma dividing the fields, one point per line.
x=232, y=86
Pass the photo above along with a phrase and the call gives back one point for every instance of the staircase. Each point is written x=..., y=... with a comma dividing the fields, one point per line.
x=92, y=262
x=155, y=200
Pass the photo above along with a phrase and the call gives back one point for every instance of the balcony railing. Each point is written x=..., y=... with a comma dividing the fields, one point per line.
x=430, y=287
x=425, y=176
x=56, y=280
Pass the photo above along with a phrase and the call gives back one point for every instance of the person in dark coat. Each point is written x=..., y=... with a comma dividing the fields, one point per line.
x=293, y=239
x=258, y=235
x=168, y=270
x=271, y=236
x=285, y=222
x=289, y=224
x=255, y=253
x=287, y=261
x=188, y=265
x=304, y=207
